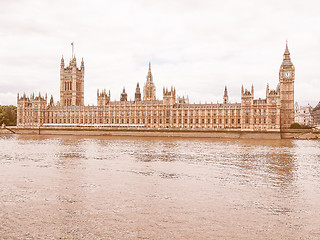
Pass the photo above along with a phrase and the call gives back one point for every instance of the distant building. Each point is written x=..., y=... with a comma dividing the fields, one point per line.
x=303, y=115
x=275, y=112
x=316, y=114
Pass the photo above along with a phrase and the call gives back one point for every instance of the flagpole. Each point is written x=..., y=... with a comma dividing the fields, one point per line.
x=72, y=44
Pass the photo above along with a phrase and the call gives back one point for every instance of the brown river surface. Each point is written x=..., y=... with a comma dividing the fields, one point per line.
x=64, y=187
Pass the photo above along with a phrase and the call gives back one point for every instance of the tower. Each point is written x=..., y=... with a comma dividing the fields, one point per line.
x=247, y=107
x=169, y=96
x=286, y=80
x=123, y=96
x=137, y=95
x=149, y=90
x=103, y=98
x=71, y=83
x=225, y=96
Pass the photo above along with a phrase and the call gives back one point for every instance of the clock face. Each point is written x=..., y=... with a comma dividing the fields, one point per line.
x=287, y=74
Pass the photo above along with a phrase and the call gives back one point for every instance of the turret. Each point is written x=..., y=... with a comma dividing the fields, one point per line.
x=137, y=95
x=169, y=97
x=62, y=62
x=149, y=90
x=123, y=96
x=225, y=96
x=82, y=64
x=103, y=98
x=51, y=101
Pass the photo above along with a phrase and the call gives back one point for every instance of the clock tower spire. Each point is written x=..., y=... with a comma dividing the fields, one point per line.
x=286, y=79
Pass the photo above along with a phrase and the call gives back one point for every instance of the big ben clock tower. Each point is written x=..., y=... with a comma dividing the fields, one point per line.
x=286, y=78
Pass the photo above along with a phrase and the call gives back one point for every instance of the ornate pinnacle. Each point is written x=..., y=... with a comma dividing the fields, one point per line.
x=286, y=52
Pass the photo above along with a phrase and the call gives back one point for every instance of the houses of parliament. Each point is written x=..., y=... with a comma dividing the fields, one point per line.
x=273, y=113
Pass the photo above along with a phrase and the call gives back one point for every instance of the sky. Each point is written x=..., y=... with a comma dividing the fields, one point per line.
x=197, y=46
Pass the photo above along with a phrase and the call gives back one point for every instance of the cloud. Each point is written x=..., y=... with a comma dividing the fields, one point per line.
x=196, y=46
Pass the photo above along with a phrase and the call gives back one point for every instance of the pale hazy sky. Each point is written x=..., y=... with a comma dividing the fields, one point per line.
x=198, y=46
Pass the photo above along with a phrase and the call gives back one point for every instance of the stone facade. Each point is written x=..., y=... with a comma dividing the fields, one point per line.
x=275, y=112
x=316, y=115
x=303, y=115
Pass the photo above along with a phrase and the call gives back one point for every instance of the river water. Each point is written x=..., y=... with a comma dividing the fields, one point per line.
x=158, y=188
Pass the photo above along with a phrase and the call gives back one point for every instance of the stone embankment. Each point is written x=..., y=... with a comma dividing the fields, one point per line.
x=306, y=134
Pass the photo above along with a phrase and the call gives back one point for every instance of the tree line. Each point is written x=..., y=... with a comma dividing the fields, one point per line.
x=8, y=115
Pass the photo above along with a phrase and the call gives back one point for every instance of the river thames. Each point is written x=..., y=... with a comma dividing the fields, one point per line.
x=67, y=187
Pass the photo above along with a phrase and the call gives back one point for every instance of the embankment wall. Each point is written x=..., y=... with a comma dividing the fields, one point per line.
x=233, y=134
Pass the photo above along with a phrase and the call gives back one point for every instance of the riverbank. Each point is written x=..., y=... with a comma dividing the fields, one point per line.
x=196, y=133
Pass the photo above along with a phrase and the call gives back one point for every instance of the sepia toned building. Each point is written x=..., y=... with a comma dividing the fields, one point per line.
x=316, y=115
x=303, y=115
x=275, y=112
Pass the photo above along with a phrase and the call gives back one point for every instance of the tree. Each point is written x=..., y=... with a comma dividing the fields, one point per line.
x=295, y=126
x=8, y=115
